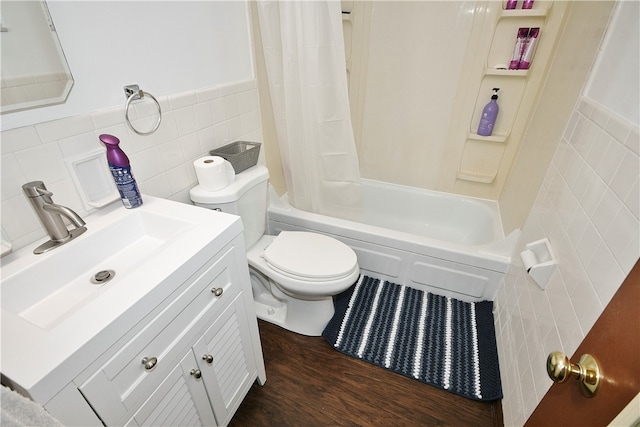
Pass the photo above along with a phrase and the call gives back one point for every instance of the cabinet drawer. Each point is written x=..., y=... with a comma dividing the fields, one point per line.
x=124, y=380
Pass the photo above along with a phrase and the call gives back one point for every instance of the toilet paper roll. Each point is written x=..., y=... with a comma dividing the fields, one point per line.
x=213, y=172
x=529, y=259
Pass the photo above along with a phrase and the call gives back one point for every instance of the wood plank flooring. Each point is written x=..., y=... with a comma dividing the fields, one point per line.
x=311, y=384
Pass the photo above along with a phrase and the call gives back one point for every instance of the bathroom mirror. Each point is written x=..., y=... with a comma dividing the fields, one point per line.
x=34, y=70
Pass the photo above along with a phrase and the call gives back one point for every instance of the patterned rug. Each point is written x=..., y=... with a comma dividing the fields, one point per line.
x=440, y=341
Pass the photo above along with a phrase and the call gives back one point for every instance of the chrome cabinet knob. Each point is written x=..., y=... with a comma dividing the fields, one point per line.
x=217, y=291
x=196, y=373
x=149, y=363
x=208, y=358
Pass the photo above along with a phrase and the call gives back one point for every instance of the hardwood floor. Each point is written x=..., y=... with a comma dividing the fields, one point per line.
x=311, y=384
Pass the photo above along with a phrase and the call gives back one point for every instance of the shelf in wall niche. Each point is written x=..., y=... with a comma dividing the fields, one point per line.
x=523, y=13
x=506, y=73
x=492, y=138
x=476, y=177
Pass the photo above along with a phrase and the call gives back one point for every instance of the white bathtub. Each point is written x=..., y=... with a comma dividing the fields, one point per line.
x=442, y=243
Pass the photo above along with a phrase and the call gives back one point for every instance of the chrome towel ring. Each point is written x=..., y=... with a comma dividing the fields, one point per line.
x=133, y=92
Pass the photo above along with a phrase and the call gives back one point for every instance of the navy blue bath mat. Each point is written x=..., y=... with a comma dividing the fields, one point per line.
x=440, y=341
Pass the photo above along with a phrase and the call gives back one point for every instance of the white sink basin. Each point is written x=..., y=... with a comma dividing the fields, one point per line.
x=45, y=289
x=55, y=284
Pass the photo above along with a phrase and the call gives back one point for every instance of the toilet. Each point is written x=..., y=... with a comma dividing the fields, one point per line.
x=295, y=274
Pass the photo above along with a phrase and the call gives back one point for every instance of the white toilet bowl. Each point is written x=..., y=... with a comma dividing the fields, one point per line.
x=294, y=275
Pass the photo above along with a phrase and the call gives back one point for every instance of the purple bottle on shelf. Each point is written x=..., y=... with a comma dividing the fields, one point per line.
x=121, y=171
x=489, y=115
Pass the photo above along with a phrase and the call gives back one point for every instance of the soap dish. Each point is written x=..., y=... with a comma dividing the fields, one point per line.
x=91, y=175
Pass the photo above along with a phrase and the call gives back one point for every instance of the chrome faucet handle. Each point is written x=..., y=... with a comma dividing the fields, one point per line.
x=51, y=216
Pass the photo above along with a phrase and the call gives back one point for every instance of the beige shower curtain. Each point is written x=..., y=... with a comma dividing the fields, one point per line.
x=304, y=55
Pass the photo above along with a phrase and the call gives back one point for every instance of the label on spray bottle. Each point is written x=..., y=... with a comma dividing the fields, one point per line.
x=127, y=186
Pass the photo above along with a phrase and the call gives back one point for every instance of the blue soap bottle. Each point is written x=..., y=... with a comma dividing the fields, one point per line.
x=121, y=171
x=489, y=115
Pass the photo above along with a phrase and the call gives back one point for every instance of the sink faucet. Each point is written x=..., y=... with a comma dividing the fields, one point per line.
x=50, y=215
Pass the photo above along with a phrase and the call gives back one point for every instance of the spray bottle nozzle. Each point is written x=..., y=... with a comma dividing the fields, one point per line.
x=495, y=93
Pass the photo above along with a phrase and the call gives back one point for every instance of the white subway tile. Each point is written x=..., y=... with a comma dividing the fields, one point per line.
x=147, y=164
x=136, y=142
x=219, y=110
x=232, y=105
x=79, y=144
x=43, y=163
x=626, y=175
x=633, y=141
x=630, y=256
x=168, y=129
x=183, y=100
x=12, y=178
x=172, y=154
x=223, y=136
x=158, y=186
x=593, y=195
x=632, y=201
x=19, y=139
x=585, y=107
x=599, y=268
x=19, y=219
x=204, y=114
x=600, y=116
x=186, y=121
x=610, y=160
x=108, y=117
x=618, y=128
x=622, y=231
x=587, y=244
x=208, y=140
x=64, y=128
x=208, y=94
x=606, y=210
x=190, y=147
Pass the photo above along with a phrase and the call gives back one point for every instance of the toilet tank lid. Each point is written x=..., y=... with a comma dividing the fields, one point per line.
x=243, y=182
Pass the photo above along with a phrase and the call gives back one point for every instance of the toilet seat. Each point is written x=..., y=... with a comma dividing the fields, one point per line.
x=310, y=256
x=296, y=284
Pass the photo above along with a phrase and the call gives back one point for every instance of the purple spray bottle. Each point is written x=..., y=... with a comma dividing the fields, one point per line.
x=121, y=171
x=489, y=115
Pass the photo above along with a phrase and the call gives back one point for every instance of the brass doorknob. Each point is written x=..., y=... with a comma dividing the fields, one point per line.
x=586, y=371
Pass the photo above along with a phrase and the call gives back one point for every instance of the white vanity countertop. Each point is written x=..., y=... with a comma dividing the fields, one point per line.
x=43, y=359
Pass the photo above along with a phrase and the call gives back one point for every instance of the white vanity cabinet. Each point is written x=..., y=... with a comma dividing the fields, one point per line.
x=171, y=339
x=190, y=361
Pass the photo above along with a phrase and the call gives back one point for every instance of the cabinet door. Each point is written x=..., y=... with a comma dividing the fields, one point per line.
x=225, y=358
x=180, y=400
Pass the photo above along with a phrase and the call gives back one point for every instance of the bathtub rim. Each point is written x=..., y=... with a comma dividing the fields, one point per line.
x=495, y=256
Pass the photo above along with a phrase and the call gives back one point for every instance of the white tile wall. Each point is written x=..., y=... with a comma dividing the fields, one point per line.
x=192, y=124
x=588, y=207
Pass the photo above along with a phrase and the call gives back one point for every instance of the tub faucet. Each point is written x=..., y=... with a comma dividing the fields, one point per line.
x=50, y=215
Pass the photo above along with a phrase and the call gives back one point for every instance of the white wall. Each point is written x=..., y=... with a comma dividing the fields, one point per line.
x=166, y=47
x=589, y=209
x=195, y=57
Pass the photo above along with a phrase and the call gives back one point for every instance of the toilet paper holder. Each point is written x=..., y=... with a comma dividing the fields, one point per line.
x=539, y=261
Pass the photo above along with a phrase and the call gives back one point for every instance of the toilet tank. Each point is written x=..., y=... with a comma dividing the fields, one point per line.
x=246, y=196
